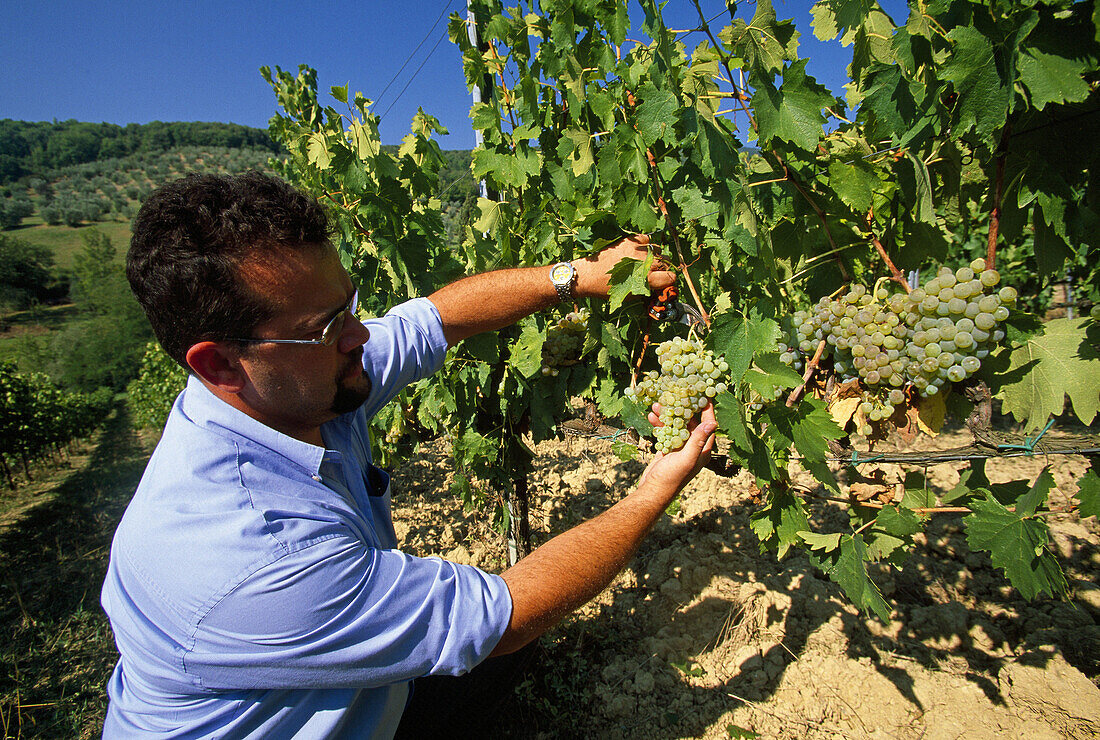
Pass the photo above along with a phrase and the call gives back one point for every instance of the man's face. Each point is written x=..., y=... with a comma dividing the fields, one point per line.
x=295, y=388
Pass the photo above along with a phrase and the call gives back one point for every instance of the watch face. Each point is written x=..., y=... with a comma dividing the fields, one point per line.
x=562, y=272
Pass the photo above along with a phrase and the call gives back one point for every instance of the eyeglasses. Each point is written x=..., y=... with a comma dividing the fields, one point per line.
x=328, y=334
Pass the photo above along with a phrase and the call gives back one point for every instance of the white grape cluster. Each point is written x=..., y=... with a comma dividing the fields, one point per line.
x=937, y=334
x=690, y=375
x=564, y=341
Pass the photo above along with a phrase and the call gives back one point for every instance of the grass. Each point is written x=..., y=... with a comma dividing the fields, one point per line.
x=55, y=534
x=65, y=241
x=25, y=335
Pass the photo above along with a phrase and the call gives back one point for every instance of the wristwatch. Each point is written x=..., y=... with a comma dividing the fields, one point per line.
x=564, y=277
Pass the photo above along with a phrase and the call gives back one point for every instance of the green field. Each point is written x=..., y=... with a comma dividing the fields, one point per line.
x=65, y=241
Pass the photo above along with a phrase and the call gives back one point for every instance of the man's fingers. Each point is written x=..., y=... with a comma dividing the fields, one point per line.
x=661, y=279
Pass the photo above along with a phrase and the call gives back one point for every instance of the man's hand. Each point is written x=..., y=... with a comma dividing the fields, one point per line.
x=674, y=469
x=594, y=273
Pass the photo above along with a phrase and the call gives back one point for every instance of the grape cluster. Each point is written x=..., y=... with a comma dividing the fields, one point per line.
x=564, y=341
x=891, y=342
x=690, y=375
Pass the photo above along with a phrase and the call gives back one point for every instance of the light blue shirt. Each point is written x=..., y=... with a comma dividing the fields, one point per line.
x=255, y=588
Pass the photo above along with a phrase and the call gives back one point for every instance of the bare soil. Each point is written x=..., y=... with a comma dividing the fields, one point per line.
x=705, y=636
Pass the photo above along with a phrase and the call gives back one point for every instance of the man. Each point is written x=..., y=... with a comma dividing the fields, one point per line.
x=255, y=588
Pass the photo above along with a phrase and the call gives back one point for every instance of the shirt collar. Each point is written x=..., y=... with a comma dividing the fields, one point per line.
x=204, y=409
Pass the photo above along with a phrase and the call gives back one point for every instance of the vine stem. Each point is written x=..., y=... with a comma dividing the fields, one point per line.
x=676, y=239
x=810, y=368
x=895, y=273
x=998, y=193
x=817, y=209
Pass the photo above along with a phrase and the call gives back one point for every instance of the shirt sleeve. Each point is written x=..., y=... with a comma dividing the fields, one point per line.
x=405, y=345
x=338, y=614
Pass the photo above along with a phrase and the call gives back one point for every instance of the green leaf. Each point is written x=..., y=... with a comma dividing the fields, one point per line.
x=854, y=183
x=972, y=67
x=832, y=17
x=731, y=420
x=737, y=338
x=1050, y=78
x=526, y=356
x=484, y=347
x=656, y=114
x=1088, y=495
x=1036, y=496
x=821, y=542
x=778, y=524
x=793, y=111
x=628, y=277
x=340, y=93
x=1017, y=545
x=845, y=566
x=318, y=150
x=1057, y=362
x=491, y=213
x=893, y=529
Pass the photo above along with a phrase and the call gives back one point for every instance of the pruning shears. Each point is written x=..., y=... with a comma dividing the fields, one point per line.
x=665, y=307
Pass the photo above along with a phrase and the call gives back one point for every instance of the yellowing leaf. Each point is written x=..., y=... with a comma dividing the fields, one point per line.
x=930, y=414
x=843, y=409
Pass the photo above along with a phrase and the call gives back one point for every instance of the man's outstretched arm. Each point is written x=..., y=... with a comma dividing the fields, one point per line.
x=493, y=300
x=572, y=568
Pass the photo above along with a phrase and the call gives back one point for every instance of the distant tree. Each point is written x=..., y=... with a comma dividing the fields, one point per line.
x=13, y=211
x=26, y=272
x=104, y=349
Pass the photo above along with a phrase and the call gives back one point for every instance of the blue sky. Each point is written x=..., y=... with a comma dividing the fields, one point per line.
x=123, y=61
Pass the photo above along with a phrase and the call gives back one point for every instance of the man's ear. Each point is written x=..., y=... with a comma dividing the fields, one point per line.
x=218, y=365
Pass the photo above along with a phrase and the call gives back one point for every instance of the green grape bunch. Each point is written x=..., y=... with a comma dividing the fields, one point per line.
x=564, y=342
x=896, y=344
x=689, y=377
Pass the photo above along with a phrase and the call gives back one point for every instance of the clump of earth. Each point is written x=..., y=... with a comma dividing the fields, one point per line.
x=705, y=636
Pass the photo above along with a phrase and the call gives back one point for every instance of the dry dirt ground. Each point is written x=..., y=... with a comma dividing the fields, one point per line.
x=704, y=636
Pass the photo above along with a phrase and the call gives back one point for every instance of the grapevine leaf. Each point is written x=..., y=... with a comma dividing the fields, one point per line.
x=929, y=414
x=1036, y=496
x=737, y=338
x=778, y=524
x=581, y=155
x=893, y=529
x=1052, y=79
x=624, y=450
x=491, y=212
x=628, y=277
x=1088, y=495
x=843, y=409
x=526, y=356
x=845, y=566
x=822, y=542
x=763, y=43
x=727, y=409
x=983, y=96
x=635, y=415
x=1051, y=250
x=473, y=449
x=318, y=150
x=1059, y=361
x=484, y=347
x=793, y=111
x=656, y=114
x=917, y=493
x=808, y=426
x=1017, y=545
x=853, y=183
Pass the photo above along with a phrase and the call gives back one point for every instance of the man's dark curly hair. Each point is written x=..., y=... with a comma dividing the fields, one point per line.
x=189, y=242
